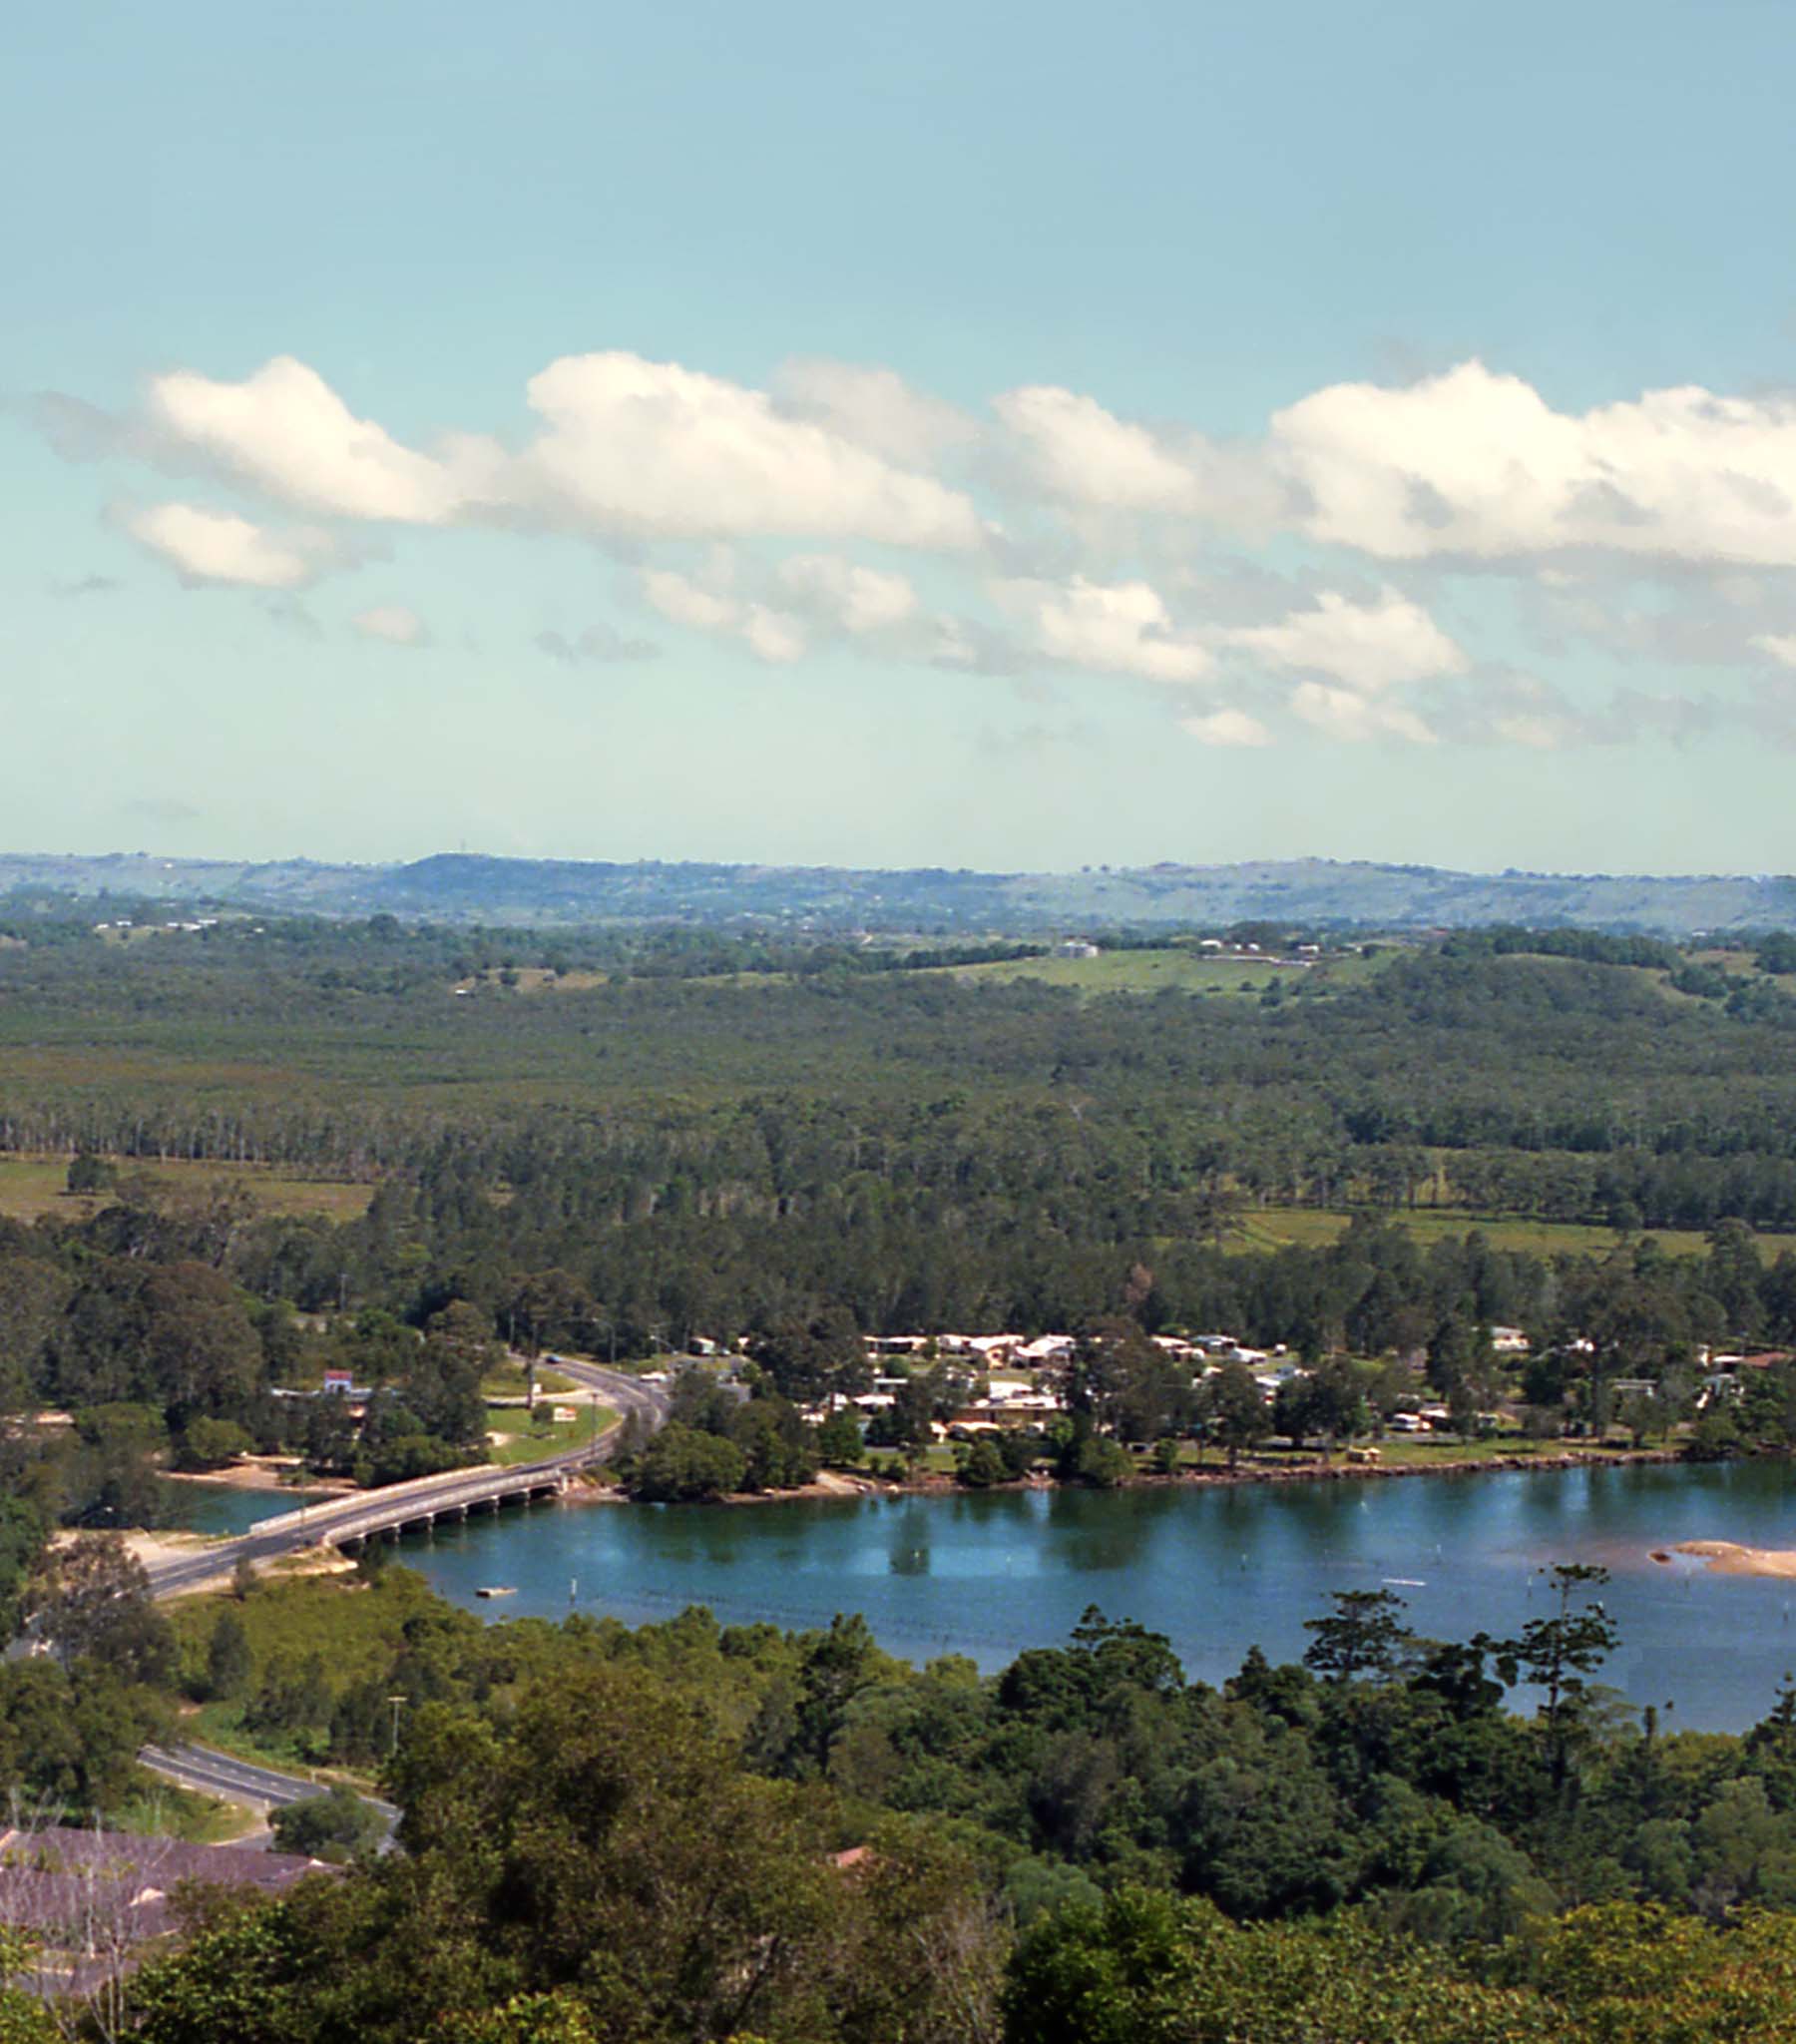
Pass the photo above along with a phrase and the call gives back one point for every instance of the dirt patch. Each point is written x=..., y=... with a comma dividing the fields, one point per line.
x=260, y=1472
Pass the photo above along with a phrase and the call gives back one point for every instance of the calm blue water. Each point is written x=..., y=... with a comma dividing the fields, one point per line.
x=216, y=1508
x=1217, y=1570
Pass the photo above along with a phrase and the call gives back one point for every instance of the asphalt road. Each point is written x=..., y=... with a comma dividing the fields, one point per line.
x=218, y=1773
x=369, y=1511
x=210, y=1772
x=627, y=1394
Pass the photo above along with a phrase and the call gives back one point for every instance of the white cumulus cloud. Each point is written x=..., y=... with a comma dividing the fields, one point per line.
x=216, y=546
x=285, y=431
x=1475, y=462
x=1347, y=715
x=1367, y=646
x=874, y=407
x=653, y=449
x=774, y=636
x=771, y=635
x=1652, y=529
x=1078, y=451
x=860, y=600
x=1115, y=628
x=626, y=447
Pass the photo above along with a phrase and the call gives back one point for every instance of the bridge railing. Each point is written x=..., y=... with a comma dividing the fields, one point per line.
x=484, y=1480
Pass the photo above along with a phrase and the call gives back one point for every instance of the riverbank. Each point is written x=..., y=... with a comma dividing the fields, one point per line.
x=262, y=1472
x=1344, y=1471
x=839, y=1484
x=1217, y=1567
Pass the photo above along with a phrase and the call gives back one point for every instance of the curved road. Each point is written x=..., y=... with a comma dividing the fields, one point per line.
x=211, y=1773
x=347, y=1518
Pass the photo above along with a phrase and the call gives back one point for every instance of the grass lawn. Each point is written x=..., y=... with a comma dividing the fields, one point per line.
x=31, y=1187
x=507, y=1381
x=1417, y=1451
x=523, y=1442
x=1407, y=1451
x=1277, y=1227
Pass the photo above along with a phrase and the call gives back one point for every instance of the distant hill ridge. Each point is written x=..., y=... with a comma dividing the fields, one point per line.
x=472, y=887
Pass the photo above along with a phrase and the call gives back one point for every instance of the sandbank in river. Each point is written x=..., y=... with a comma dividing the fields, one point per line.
x=1729, y=1558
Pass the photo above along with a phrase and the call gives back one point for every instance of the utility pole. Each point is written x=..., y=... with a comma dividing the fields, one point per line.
x=397, y=1704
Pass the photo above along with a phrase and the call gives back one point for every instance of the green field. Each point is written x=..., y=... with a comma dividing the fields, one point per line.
x=350, y=1627
x=1146, y=973
x=1111, y=972
x=31, y=1187
x=507, y=1381
x=1281, y=1228
x=525, y=1443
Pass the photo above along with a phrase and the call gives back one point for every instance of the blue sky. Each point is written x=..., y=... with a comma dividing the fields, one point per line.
x=992, y=436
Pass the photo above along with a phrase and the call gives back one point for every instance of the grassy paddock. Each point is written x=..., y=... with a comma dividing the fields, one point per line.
x=1139, y=973
x=31, y=1187
x=1278, y=1228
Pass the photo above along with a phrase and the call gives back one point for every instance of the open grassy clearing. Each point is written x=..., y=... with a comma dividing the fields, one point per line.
x=1137, y=972
x=161, y=1811
x=521, y=1441
x=1278, y=1228
x=1127, y=972
x=537, y=979
x=348, y=1626
x=31, y=1187
x=509, y=1381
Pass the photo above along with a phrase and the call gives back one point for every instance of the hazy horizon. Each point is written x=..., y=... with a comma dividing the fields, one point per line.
x=152, y=854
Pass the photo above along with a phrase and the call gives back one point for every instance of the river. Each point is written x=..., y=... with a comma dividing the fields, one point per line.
x=1217, y=1570
x=224, y=1509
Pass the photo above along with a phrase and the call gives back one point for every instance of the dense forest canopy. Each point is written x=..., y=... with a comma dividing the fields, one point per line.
x=697, y=1832
x=1623, y=1084
x=620, y=1141
x=616, y=1143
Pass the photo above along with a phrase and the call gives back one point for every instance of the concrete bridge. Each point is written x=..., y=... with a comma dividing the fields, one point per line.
x=352, y=1521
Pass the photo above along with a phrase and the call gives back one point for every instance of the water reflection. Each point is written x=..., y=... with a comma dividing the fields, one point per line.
x=1103, y=1532
x=907, y=1540
x=1218, y=1570
x=222, y=1508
